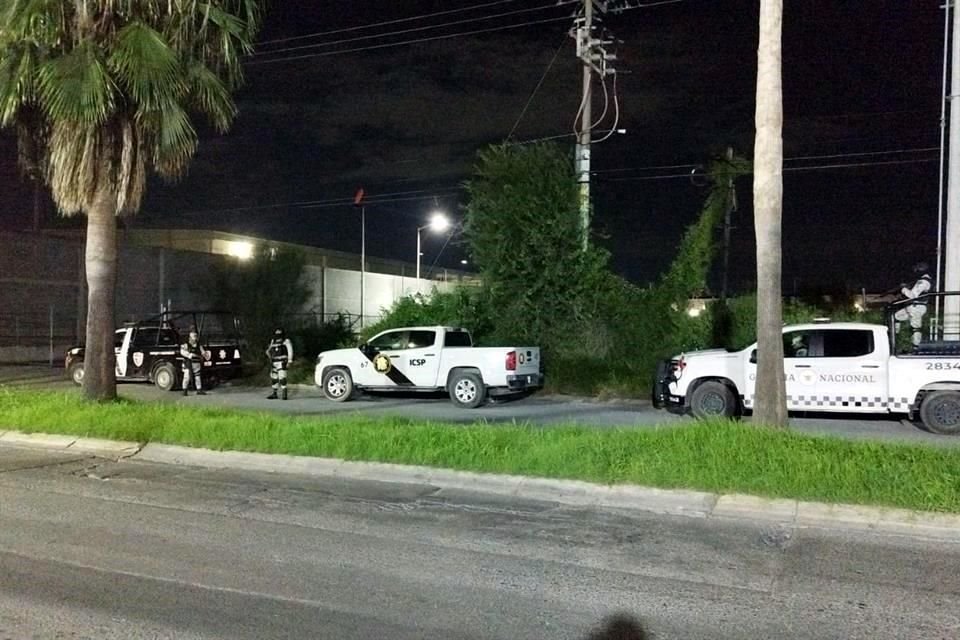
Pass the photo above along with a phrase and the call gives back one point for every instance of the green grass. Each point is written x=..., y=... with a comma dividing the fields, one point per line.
x=722, y=456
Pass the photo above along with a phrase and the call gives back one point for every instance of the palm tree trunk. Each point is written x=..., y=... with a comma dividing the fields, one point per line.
x=770, y=404
x=99, y=380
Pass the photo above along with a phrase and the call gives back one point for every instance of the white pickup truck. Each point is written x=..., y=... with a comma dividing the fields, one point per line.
x=429, y=359
x=831, y=367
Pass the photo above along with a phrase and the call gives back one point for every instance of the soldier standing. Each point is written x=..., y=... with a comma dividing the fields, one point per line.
x=192, y=355
x=914, y=312
x=280, y=353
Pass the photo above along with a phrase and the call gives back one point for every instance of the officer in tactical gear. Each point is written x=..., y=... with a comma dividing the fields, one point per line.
x=914, y=312
x=192, y=355
x=280, y=353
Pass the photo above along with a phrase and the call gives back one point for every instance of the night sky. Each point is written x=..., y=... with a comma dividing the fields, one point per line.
x=862, y=86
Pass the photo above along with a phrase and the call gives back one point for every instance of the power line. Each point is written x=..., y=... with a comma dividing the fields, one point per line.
x=386, y=22
x=546, y=71
x=336, y=202
x=806, y=168
x=412, y=29
x=865, y=153
x=792, y=159
x=406, y=42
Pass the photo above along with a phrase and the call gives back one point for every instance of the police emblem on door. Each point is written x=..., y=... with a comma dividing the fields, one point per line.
x=138, y=359
x=382, y=364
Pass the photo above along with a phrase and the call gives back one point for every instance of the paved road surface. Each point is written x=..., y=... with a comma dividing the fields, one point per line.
x=307, y=399
x=130, y=550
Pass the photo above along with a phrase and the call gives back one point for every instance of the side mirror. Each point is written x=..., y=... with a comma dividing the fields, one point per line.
x=753, y=357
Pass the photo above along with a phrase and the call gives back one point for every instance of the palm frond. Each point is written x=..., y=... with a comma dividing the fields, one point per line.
x=77, y=87
x=145, y=66
x=17, y=80
x=210, y=96
x=173, y=139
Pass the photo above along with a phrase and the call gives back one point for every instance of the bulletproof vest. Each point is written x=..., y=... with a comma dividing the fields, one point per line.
x=193, y=348
x=278, y=350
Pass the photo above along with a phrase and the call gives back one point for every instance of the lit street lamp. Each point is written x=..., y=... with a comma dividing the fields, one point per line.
x=438, y=224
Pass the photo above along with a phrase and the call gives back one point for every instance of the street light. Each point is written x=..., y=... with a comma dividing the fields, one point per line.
x=438, y=224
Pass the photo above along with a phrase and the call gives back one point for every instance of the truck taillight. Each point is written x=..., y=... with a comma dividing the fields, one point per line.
x=512, y=361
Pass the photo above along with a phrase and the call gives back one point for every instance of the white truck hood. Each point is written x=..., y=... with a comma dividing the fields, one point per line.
x=706, y=353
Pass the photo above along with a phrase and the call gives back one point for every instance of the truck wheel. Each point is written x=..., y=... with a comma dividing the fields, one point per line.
x=165, y=376
x=76, y=373
x=467, y=390
x=940, y=412
x=713, y=400
x=337, y=385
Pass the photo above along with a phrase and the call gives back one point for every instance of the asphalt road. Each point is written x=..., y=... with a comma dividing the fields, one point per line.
x=107, y=550
x=537, y=409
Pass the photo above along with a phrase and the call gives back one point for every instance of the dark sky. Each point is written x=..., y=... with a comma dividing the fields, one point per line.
x=862, y=85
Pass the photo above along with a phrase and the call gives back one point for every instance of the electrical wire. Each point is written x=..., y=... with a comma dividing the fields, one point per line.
x=543, y=77
x=406, y=42
x=616, y=107
x=807, y=168
x=335, y=202
x=386, y=22
x=606, y=103
x=410, y=30
x=645, y=5
x=792, y=159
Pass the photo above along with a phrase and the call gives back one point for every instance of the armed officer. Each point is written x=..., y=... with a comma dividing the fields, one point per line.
x=280, y=353
x=915, y=311
x=192, y=355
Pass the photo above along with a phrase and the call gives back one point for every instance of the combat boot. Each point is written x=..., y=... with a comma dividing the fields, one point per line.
x=284, y=392
x=273, y=395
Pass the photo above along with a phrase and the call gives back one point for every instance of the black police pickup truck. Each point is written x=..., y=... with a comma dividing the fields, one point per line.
x=149, y=350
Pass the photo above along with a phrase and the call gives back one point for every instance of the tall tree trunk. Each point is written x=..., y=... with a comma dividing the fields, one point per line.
x=99, y=379
x=770, y=404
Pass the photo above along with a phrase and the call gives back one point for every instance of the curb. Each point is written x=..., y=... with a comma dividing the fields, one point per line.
x=115, y=449
x=796, y=513
x=678, y=502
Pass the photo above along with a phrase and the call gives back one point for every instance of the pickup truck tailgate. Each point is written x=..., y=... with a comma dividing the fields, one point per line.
x=528, y=360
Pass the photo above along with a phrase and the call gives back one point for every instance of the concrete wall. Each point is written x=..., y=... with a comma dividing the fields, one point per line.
x=42, y=275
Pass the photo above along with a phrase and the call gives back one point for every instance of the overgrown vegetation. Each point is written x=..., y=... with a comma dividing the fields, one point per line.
x=600, y=334
x=720, y=456
x=270, y=291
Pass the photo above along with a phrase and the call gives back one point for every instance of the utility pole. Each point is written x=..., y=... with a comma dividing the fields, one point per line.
x=358, y=202
x=727, y=219
x=585, y=53
x=595, y=59
x=951, y=254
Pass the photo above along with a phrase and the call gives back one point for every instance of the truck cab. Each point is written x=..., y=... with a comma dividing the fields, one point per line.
x=844, y=367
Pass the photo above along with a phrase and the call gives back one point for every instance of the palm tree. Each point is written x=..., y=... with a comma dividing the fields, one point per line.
x=99, y=93
x=770, y=407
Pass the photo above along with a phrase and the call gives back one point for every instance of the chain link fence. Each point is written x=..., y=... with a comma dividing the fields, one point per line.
x=37, y=337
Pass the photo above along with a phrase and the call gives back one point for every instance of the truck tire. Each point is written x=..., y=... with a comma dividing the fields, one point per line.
x=467, y=389
x=165, y=376
x=940, y=412
x=76, y=373
x=337, y=385
x=713, y=399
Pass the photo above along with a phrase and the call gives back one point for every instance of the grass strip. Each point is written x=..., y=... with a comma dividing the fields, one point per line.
x=724, y=457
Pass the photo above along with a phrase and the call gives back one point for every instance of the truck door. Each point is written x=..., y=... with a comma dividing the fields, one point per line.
x=141, y=358
x=421, y=358
x=378, y=368
x=798, y=371
x=121, y=350
x=851, y=371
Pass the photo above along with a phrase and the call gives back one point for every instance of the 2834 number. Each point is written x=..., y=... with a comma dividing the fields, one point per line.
x=942, y=366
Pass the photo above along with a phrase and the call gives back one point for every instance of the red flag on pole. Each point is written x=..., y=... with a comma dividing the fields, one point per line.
x=358, y=198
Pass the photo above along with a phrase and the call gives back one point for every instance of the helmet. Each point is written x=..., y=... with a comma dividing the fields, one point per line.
x=278, y=332
x=921, y=268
